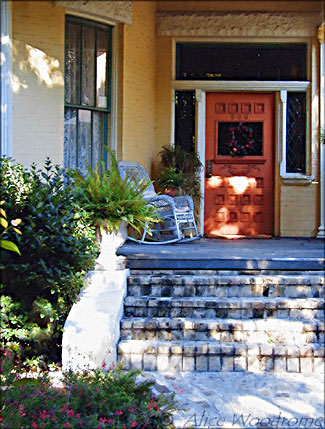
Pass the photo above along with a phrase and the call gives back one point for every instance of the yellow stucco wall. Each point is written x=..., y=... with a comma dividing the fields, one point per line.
x=38, y=81
x=139, y=68
x=299, y=211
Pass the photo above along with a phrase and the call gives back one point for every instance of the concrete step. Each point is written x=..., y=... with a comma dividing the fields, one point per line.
x=224, y=308
x=225, y=330
x=162, y=356
x=302, y=285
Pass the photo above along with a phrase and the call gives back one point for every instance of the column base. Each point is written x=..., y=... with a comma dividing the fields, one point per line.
x=321, y=232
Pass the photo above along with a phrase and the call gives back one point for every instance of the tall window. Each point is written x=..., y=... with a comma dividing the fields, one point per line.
x=296, y=133
x=185, y=120
x=87, y=92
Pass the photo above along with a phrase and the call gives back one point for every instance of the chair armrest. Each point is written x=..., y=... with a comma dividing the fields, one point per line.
x=184, y=200
x=165, y=198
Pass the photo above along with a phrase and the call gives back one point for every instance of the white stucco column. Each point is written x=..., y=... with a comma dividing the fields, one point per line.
x=5, y=79
x=200, y=120
x=321, y=38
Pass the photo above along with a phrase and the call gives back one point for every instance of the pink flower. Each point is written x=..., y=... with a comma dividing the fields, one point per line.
x=70, y=413
x=35, y=425
x=77, y=416
x=134, y=424
x=67, y=425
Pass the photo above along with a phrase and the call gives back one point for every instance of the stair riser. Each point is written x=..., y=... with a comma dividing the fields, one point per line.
x=225, y=313
x=219, y=362
x=224, y=291
x=250, y=337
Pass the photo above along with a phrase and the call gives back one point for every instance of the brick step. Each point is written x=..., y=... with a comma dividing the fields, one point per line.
x=225, y=330
x=218, y=356
x=224, y=308
x=216, y=285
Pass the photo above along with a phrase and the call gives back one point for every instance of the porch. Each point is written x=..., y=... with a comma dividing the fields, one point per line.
x=220, y=254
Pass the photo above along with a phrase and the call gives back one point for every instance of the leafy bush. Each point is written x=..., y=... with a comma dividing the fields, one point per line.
x=109, y=200
x=7, y=244
x=39, y=287
x=98, y=399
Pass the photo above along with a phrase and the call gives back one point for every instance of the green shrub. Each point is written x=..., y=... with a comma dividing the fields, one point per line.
x=97, y=399
x=39, y=287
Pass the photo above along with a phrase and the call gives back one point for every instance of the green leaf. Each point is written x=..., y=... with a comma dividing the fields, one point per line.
x=3, y=222
x=9, y=245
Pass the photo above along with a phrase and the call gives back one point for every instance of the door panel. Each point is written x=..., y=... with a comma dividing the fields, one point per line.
x=239, y=164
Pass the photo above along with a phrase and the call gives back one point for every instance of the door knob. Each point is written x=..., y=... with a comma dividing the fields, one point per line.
x=208, y=170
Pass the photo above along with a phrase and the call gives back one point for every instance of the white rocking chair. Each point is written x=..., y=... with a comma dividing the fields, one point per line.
x=178, y=223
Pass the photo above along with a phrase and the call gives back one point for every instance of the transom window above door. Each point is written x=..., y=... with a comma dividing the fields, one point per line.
x=87, y=92
x=241, y=61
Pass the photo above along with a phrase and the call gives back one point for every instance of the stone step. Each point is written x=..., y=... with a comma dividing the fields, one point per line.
x=224, y=308
x=191, y=285
x=224, y=330
x=218, y=356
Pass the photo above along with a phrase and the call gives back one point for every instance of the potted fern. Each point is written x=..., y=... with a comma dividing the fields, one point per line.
x=112, y=205
x=181, y=168
x=169, y=181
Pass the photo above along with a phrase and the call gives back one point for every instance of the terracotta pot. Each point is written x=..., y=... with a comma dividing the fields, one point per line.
x=171, y=192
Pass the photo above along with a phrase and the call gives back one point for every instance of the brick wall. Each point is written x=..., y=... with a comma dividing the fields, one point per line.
x=38, y=81
x=139, y=62
x=299, y=211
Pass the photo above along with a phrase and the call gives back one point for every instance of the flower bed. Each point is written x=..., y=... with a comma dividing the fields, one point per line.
x=94, y=399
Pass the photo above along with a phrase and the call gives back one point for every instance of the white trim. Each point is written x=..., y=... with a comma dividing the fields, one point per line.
x=172, y=127
x=321, y=229
x=283, y=133
x=229, y=85
x=6, y=103
x=200, y=136
x=114, y=90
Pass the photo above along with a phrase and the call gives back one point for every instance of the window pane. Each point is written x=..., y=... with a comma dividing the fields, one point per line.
x=84, y=140
x=101, y=64
x=256, y=61
x=185, y=120
x=98, y=136
x=70, y=125
x=296, y=132
x=88, y=67
x=240, y=138
x=72, y=63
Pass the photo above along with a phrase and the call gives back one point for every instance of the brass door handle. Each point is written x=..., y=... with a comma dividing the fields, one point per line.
x=208, y=169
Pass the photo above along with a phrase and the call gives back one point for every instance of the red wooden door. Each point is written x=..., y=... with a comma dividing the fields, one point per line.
x=239, y=186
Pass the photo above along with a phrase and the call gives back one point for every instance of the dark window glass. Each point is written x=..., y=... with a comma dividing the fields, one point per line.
x=240, y=138
x=208, y=61
x=87, y=92
x=185, y=120
x=296, y=132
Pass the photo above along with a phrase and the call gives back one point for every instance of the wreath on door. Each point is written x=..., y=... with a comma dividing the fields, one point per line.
x=240, y=140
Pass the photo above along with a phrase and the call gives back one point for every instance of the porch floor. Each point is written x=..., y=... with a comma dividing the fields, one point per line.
x=221, y=254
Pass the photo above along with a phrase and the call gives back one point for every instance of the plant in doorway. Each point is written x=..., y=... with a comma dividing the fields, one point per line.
x=180, y=168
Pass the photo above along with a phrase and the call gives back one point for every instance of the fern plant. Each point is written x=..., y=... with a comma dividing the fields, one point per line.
x=109, y=200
